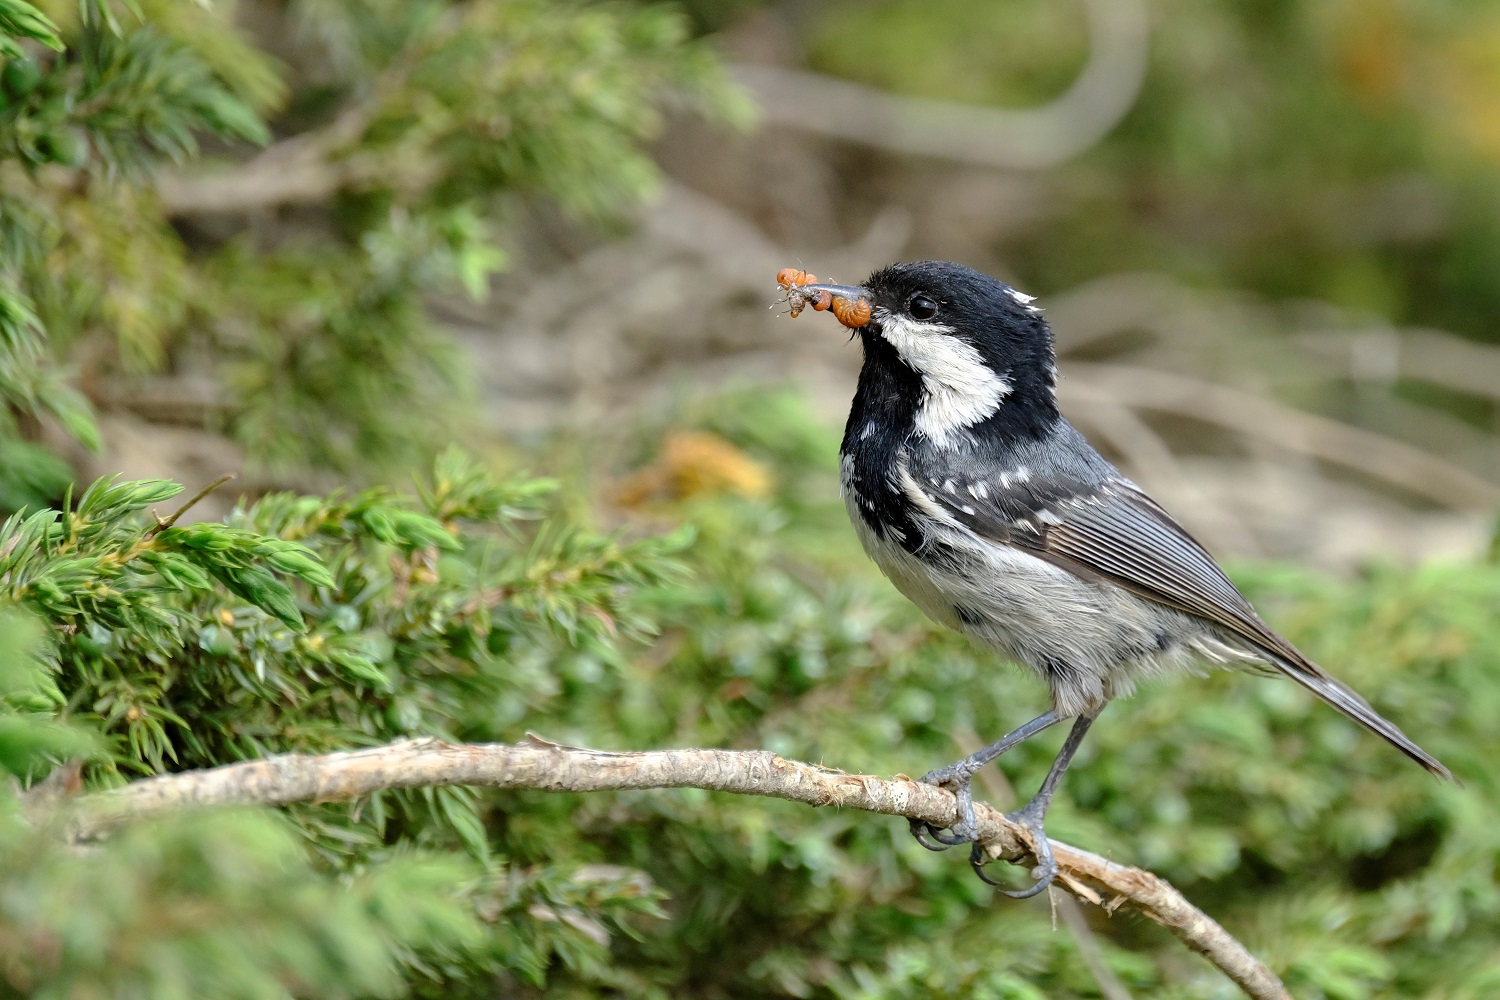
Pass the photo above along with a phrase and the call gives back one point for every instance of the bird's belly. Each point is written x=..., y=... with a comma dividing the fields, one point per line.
x=1089, y=640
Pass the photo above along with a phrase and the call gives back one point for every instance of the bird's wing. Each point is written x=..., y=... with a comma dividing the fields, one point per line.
x=1113, y=531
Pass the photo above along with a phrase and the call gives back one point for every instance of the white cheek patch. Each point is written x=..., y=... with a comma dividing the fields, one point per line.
x=959, y=389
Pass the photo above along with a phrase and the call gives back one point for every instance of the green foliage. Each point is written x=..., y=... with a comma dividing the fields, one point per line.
x=19, y=19
x=131, y=644
x=357, y=337
x=30, y=732
x=29, y=386
x=199, y=883
x=223, y=905
x=533, y=96
x=469, y=612
x=474, y=610
x=94, y=565
x=446, y=116
x=421, y=128
x=186, y=646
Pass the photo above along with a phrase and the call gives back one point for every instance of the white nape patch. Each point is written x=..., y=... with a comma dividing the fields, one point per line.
x=1021, y=298
x=959, y=389
x=865, y=434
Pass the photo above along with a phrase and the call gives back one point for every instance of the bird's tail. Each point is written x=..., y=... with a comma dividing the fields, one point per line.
x=1346, y=700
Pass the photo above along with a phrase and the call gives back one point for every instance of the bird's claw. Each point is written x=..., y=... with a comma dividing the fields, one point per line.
x=929, y=836
x=966, y=829
x=953, y=775
x=940, y=841
x=1046, y=865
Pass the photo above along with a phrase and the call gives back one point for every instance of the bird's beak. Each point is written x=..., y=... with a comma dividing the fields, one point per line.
x=851, y=292
x=850, y=304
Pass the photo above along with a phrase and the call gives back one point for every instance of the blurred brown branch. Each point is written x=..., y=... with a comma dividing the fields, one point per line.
x=538, y=764
x=1028, y=138
x=1436, y=356
x=304, y=169
x=308, y=168
x=1400, y=464
x=311, y=167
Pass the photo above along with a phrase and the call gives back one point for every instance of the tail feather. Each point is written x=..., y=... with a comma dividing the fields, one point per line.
x=1344, y=698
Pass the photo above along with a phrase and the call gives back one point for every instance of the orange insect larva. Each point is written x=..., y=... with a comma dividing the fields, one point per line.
x=792, y=280
x=853, y=313
x=789, y=276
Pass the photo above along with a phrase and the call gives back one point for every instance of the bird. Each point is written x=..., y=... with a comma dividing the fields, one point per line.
x=992, y=513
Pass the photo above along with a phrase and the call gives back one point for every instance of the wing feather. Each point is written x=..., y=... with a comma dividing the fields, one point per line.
x=1116, y=532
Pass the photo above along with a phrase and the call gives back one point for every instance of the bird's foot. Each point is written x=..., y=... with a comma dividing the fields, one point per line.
x=966, y=831
x=958, y=778
x=1030, y=816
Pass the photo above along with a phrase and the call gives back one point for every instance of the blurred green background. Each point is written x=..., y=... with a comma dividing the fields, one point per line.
x=317, y=243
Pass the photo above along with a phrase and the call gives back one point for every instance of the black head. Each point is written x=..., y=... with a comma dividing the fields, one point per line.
x=954, y=355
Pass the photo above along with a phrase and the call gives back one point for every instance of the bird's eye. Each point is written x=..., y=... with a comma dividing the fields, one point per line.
x=921, y=307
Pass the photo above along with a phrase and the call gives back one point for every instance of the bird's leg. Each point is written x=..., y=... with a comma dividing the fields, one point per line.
x=1034, y=812
x=959, y=776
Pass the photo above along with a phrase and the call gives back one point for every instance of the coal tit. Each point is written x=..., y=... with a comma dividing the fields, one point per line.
x=994, y=515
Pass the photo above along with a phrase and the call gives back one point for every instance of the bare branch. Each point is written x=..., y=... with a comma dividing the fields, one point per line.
x=1385, y=354
x=538, y=764
x=162, y=524
x=297, y=171
x=1026, y=138
x=1407, y=466
x=1109, y=984
x=311, y=167
x=308, y=168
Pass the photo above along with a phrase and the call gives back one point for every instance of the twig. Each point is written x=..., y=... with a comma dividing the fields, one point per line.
x=1149, y=457
x=310, y=167
x=538, y=764
x=1429, y=355
x=999, y=789
x=162, y=524
x=1411, y=468
x=1110, y=986
x=1026, y=138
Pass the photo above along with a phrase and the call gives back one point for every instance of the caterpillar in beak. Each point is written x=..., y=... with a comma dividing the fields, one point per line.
x=849, y=304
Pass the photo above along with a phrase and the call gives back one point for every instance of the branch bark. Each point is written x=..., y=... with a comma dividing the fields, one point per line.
x=538, y=764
